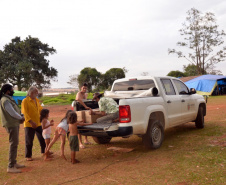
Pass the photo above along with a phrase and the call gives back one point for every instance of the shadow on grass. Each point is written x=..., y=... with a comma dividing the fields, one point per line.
x=175, y=136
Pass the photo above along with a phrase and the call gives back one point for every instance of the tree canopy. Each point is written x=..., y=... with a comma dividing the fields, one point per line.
x=111, y=75
x=191, y=70
x=90, y=76
x=97, y=80
x=23, y=63
x=176, y=74
x=202, y=37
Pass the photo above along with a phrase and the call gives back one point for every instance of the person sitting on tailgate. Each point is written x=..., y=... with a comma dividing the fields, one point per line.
x=80, y=97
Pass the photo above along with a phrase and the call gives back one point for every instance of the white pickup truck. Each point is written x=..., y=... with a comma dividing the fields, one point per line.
x=148, y=106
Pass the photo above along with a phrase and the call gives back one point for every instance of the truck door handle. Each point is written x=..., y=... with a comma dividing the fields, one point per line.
x=168, y=101
x=182, y=100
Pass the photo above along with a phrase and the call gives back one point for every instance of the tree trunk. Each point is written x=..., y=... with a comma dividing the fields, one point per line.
x=19, y=87
x=19, y=84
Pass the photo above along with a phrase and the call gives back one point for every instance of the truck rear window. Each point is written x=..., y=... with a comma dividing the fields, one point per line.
x=133, y=85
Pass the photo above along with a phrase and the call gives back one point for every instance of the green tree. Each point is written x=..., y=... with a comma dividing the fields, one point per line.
x=23, y=63
x=176, y=74
x=190, y=70
x=111, y=75
x=2, y=75
x=90, y=76
x=202, y=37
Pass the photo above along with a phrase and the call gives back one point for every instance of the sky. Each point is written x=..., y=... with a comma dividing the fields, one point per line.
x=105, y=34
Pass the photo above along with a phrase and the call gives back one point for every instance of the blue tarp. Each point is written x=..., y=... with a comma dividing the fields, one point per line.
x=19, y=95
x=16, y=98
x=206, y=83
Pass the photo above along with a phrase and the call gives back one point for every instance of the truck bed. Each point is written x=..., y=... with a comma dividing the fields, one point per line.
x=105, y=130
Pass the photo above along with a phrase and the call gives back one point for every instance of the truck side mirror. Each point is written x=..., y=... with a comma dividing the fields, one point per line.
x=192, y=91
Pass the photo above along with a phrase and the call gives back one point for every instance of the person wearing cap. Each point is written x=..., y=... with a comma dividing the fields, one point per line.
x=108, y=108
x=80, y=97
x=11, y=120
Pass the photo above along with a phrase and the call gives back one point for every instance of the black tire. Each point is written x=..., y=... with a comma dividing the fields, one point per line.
x=154, y=136
x=102, y=140
x=199, y=122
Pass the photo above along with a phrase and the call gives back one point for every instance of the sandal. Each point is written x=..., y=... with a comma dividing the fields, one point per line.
x=87, y=143
x=77, y=161
x=29, y=159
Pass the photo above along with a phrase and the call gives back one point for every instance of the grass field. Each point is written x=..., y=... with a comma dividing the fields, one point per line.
x=61, y=99
x=188, y=156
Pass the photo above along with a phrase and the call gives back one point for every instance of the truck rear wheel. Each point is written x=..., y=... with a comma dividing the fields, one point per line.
x=199, y=122
x=154, y=136
x=102, y=140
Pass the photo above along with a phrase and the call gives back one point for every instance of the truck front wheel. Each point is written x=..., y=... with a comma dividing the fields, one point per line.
x=199, y=122
x=102, y=140
x=154, y=136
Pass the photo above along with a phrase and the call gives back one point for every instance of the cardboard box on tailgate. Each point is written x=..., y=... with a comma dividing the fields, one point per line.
x=91, y=118
x=81, y=116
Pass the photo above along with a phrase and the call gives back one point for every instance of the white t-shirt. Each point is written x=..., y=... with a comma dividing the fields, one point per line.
x=47, y=130
x=63, y=124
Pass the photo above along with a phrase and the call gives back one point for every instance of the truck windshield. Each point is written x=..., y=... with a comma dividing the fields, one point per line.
x=133, y=85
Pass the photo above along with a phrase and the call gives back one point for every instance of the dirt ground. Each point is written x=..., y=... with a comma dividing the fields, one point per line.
x=99, y=165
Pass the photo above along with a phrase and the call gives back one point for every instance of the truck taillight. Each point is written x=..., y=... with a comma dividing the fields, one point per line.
x=124, y=114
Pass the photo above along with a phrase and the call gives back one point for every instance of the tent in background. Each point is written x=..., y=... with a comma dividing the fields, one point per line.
x=19, y=95
x=207, y=84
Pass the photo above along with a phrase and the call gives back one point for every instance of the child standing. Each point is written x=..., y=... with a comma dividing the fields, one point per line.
x=61, y=131
x=46, y=126
x=73, y=139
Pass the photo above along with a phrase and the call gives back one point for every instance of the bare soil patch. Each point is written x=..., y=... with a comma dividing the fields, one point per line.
x=187, y=156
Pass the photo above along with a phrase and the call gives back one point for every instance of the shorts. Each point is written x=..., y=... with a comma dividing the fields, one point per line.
x=74, y=145
x=61, y=131
x=46, y=136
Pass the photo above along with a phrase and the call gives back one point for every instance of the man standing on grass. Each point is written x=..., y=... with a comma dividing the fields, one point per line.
x=11, y=119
